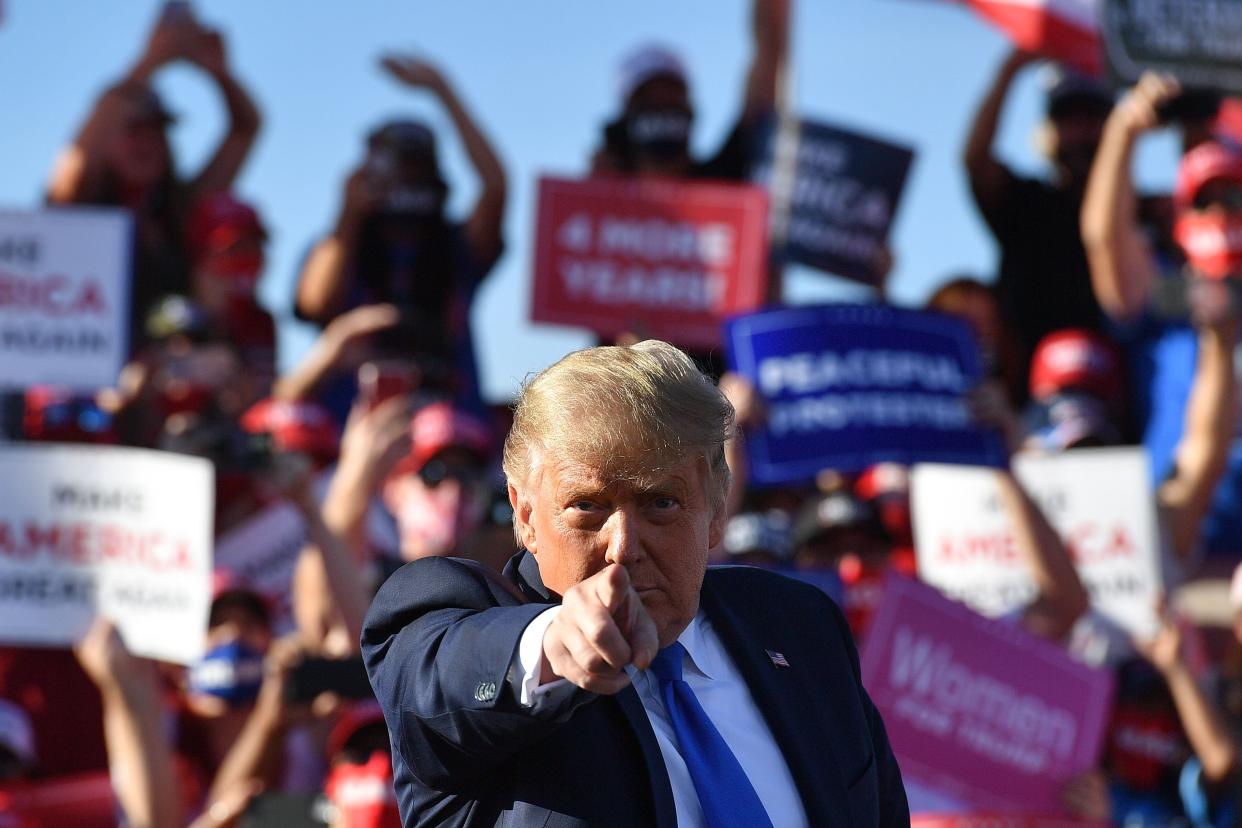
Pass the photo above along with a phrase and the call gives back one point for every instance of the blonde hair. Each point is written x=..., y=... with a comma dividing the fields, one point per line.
x=630, y=410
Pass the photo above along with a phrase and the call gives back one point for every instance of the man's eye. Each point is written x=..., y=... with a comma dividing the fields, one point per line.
x=584, y=506
x=664, y=502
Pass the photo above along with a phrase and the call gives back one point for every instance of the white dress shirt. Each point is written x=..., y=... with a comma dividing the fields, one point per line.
x=724, y=696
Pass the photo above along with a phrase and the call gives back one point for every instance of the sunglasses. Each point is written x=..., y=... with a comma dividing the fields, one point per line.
x=1228, y=196
x=436, y=472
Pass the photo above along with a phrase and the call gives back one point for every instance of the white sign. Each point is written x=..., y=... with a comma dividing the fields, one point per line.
x=64, y=296
x=119, y=532
x=1099, y=500
x=263, y=552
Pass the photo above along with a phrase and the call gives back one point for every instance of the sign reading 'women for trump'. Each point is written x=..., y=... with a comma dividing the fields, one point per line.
x=981, y=710
x=659, y=259
x=847, y=386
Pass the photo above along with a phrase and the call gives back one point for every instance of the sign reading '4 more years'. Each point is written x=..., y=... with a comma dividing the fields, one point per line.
x=981, y=711
x=64, y=296
x=660, y=259
x=119, y=532
x=1098, y=500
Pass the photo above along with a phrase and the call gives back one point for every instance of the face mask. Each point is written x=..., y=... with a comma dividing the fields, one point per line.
x=231, y=671
x=432, y=521
x=363, y=795
x=659, y=133
x=1212, y=242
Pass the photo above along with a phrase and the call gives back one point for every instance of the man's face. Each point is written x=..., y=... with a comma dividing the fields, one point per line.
x=576, y=520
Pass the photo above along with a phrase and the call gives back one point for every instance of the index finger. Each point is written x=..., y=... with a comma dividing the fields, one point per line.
x=611, y=585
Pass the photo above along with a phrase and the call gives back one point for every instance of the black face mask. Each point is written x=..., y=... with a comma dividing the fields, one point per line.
x=418, y=202
x=658, y=133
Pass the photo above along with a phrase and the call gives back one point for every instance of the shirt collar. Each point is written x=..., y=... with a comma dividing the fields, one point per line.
x=694, y=639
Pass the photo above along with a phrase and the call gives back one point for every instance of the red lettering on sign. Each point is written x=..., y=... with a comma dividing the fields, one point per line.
x=55, y=295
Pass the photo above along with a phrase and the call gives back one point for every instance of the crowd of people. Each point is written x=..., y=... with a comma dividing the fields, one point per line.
x=1112, y=320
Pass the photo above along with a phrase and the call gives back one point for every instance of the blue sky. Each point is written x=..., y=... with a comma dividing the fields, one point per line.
x=539, y=74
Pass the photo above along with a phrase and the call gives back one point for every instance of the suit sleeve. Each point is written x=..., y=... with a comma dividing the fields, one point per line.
x=894, y=808
x=438, y=648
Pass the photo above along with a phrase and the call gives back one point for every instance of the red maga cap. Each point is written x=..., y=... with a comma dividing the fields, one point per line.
x=440, y=426
x=1078, y=359
x=1209, y=161
x=218, y=220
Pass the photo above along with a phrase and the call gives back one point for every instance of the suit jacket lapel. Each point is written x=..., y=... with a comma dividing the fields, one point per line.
x=780, y=696
x=523, y=571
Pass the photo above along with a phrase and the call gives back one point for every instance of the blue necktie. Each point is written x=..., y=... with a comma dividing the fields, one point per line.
x=727, y=797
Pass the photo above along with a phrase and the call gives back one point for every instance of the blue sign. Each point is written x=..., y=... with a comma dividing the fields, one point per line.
x=842, y=197
x=847, y=386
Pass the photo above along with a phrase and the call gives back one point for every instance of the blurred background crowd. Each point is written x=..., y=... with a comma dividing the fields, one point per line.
x=1109, y=318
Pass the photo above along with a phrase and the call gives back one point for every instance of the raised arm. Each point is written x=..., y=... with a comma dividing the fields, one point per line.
x=1060, y=597
x=140, y=758
x=1205, y=728
x=1122, y=268
x=770, y=33
x=335, y=351
x=76, y=175
x=330, y=589
x=484, y=228
x=988, y=176
x=208, y=54
x=1203, y=452
x=323, y=283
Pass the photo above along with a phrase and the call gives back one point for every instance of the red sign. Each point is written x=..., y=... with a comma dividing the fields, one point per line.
x=1065, y=30
x=84, y=801
x=660, y=259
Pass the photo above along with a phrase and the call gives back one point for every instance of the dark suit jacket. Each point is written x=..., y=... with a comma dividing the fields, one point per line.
x=438, y=643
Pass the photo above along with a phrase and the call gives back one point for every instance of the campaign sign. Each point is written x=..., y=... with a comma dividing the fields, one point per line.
x=262, y=554
x=847, y=386
x=662, y=259
x=1199, y=43
x=1098, y=500
x=842, y=196
x=64, y=296
x=981, y=710
x=119, y=532
x=1064, y=30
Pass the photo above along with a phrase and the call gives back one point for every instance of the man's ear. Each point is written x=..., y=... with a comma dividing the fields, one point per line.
x=715, y=530
x=523, y=528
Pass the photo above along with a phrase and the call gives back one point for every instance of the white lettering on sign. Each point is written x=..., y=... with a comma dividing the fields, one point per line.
x=654, y=240
x=806, y=373
x=867, y=409
x=992, y=717
x=607, y=283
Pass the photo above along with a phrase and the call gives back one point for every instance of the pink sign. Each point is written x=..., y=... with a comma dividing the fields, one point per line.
x=981, y=710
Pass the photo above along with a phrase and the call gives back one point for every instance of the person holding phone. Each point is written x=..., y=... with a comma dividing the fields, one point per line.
x=393, y=241
x=121, y=155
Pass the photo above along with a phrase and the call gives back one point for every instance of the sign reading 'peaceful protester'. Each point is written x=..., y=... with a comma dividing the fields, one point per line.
x=847, y=386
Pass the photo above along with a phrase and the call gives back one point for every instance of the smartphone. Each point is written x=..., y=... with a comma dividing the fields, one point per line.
x=285, y=810
x=1190, y=105
x=345, y=677
x=382, y=380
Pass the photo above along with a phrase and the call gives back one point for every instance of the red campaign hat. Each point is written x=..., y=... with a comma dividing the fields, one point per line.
x=218, y=220
x=353, y=718
x=440, y=426
x=295, y=425
x=1209, y=161
x=1078, y=359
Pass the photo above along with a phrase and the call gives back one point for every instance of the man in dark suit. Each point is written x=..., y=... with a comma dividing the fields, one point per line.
x=609, y=677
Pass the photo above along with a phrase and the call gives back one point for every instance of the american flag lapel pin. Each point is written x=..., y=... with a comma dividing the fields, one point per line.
x=778, y=659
